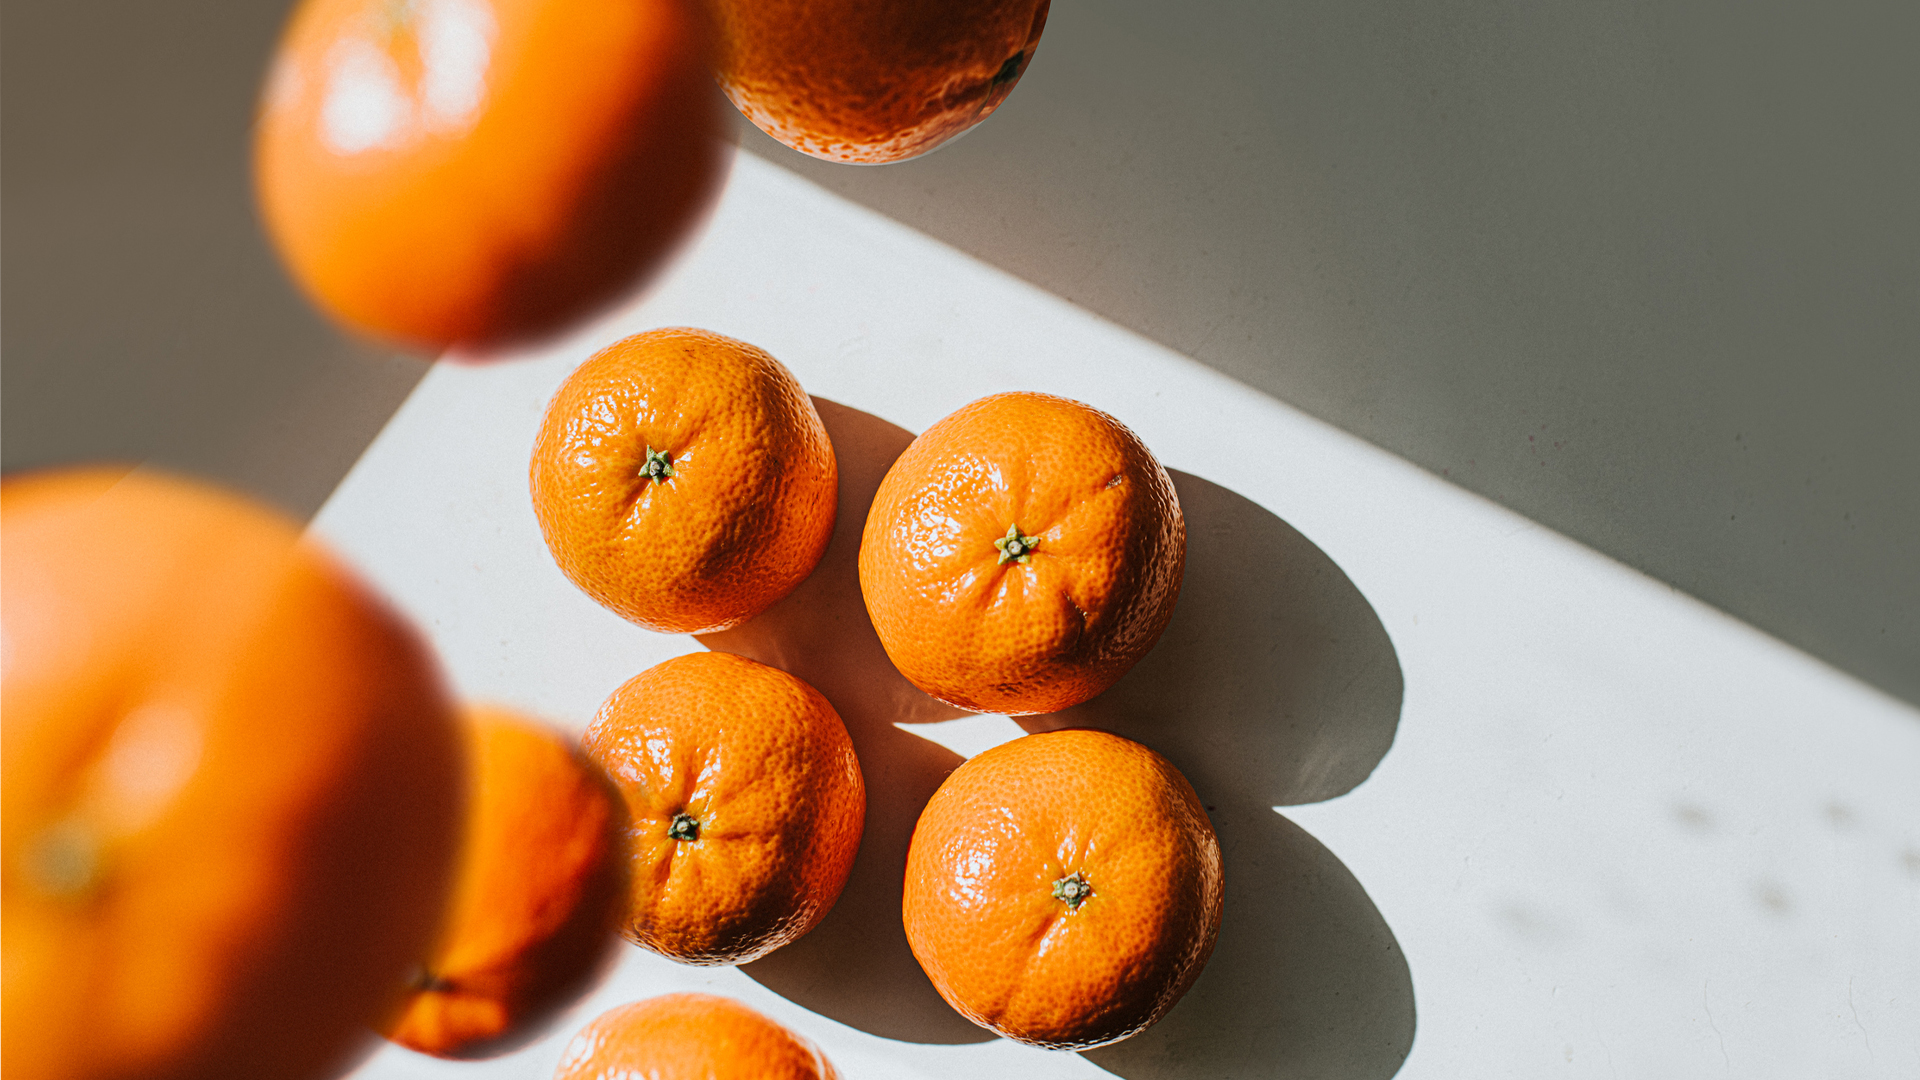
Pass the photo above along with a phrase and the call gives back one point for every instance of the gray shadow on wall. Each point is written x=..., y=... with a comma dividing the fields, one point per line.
x=1274, y=684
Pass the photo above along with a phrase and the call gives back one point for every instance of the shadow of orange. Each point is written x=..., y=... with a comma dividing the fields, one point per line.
x=1274, y=684
x=855, y=966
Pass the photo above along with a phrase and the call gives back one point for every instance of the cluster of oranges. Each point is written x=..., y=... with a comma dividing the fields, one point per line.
x=244, y=818
x=1021, y=554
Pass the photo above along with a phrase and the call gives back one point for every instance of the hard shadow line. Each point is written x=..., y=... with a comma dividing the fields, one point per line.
x=1515, y=244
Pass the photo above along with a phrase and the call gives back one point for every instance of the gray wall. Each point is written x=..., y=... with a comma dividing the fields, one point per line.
x=1644, y=273
x=144, y=317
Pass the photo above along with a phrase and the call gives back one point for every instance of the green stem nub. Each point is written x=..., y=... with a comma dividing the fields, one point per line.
x=684, y=828
x=1014, y=547
x=64, y=860
x=1074, y=889
x=658, y=467
x=420, y=980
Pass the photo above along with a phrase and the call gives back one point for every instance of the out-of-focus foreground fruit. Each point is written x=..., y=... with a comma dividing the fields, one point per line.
x=684, y=480
x=745, y=805
x=1063, y=889
x=540, y=887
x=1022, y=554
x=483, y=172
x=233, y=788
x=872, y=81
x=690, y=1037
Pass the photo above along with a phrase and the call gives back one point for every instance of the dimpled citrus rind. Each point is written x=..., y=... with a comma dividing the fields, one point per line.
x=981, y=908
x=690, y=1037
x=746, y=513
x=1088, y=601
x=765, y=769
x=865, y=83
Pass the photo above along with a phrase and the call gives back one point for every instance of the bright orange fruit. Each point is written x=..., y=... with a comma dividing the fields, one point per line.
x=744, y=801
x=1022, y=554
x=684, y=480
x=232, y=795
x=690, y=1037
x=481, y=172
x=1063, y=889
x=534, y=906
x=872, y=81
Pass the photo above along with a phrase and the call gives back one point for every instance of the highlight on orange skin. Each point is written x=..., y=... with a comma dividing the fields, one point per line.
x=534, y=907
x=482, y=173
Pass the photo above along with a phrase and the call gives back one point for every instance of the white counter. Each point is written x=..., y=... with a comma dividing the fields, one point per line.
x=1488, y=800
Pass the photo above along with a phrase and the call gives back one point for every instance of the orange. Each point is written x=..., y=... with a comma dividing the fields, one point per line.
x=872, y=81
x=536, y=897
x=232, y=793
x=1022, y=554
x=684, y=480
x=1063, y=889
x=690, y=1037
x=745, y=805
x=482, y=172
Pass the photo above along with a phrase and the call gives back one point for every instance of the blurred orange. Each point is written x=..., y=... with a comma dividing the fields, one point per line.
x=538, y=892
x=872, y=81
x=481, y=172
x=232, y=794
x=690, y=1037
x=684, y=480
x=745, y=805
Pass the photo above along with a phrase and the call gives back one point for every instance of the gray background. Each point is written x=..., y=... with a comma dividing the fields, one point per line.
x=1647, y=274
